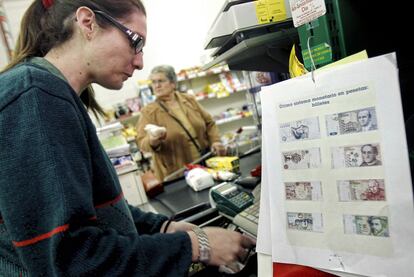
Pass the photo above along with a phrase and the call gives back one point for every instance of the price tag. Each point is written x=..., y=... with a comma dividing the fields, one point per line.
x=304, y=11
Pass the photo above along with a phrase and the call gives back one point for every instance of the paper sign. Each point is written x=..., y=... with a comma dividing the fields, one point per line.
x=338, y=175
x=304, y=11
x=270, y=11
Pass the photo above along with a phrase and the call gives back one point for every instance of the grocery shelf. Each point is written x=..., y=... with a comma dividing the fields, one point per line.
x=231, y=119
x=212, y=71
x=214, y=96
x=131, y=118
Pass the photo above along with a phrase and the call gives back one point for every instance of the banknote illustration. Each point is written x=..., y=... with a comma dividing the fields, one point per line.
x=304, y=129
x=301, y=159
x=356, y=155
x=361, y=190
x=311, y=191
x=366, y=225
x=305, y=221
x=356, y=121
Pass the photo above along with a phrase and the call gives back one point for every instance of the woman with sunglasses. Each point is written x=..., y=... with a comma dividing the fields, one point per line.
x=62, y=211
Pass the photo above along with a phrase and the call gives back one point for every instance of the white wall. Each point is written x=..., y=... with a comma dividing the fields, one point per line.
x=3, y=52
x=176, y=33
x=13, y=11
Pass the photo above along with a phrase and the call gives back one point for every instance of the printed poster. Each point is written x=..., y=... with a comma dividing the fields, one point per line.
x=337, y=171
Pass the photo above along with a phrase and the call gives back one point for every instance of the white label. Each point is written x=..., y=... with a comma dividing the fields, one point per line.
x=304, y=11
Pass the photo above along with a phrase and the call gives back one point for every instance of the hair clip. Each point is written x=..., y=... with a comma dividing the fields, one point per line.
x=47, y=3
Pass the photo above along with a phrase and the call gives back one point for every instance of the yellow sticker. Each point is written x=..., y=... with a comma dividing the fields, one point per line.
x=270, y=11
x=296, y=68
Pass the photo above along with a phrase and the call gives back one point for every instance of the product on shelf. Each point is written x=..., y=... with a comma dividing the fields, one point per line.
x=188, y=72
x=145, y=94
x=244, y=137
x=133, y=104
x=129, y=132
x=123, y=162
x=217, y=90
x=121, y=110
x=231, y=82
x=195, y=71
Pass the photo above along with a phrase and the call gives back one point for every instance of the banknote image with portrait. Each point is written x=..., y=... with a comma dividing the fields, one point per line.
x=364, y=155
x=301, y=159
x=310, y=191
x=304, y=129
x=305, y=222
x=361, y=190
x=356, y=121
x=368, y=225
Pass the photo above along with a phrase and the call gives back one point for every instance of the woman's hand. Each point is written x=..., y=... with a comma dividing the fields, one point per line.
x=226, y=246
x=156, y=134
x=218, y=149
x=155, y=141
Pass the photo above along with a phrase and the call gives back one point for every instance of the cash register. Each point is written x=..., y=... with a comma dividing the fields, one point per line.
x=238, y=205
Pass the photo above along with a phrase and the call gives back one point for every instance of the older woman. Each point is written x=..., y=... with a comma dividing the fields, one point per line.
x=190, y=131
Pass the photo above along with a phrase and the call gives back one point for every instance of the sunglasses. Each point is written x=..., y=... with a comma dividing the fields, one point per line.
x=137, y=42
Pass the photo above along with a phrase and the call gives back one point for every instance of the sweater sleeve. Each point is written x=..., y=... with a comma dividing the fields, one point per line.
x=147, y=223
x=46, y=201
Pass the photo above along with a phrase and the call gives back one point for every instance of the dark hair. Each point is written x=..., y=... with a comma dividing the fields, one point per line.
x=43, y=28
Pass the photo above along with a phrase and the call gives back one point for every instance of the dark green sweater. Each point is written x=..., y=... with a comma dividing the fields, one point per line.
x=62, y=211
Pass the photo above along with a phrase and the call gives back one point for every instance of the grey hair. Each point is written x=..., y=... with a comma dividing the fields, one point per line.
x=167, y=70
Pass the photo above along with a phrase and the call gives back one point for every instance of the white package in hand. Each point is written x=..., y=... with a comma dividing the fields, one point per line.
x=154, y=130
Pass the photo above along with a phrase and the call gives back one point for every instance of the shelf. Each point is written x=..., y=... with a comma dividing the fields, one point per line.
x=117, y=151
x=231, y=119
x=214, y=96
x=209, y=72
x=134, y=117
x=248, y=141
x=126, y=169
x=264, y=52
x=112, y=127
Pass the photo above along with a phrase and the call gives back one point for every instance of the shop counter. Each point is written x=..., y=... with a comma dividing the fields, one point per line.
x=178, y=196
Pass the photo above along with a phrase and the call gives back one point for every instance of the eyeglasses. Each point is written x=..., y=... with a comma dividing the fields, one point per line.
x=137, y=41
x=160, y=81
